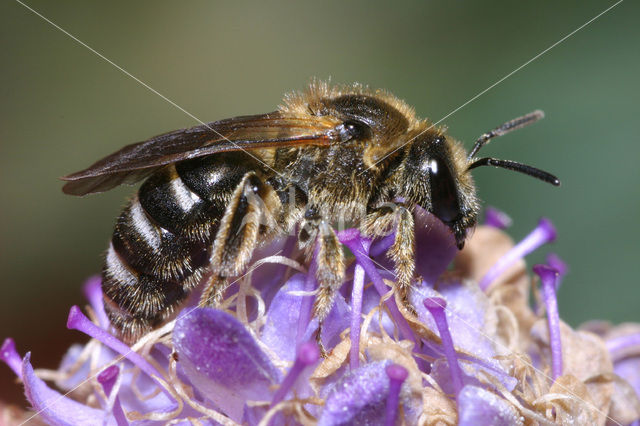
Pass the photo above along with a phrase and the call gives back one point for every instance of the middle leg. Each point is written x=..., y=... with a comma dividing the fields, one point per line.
x=329, y=259
x=249, y=217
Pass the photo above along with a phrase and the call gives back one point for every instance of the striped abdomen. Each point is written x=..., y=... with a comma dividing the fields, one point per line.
x=161, y=244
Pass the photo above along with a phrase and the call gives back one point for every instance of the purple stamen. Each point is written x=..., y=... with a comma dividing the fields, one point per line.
x=548, y=277
x=559, y=265
x=436, y=306
x=107, y=378
x=624, y=346
x=93, y=292
x=308, y=354
x=310, y=285
x=397, y=375
x=356, y=310
x=11, y=357
x=542, y=234
x=78, y=321
x=496, y=218
x=355, y=245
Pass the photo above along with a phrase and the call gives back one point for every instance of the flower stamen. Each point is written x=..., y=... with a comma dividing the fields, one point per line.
x=78, y=321
x=559, y=265
x=356, y=247
x=496, y=218
x=397, y=375
x=107, y=378
x=356, y=310
x=436, y=306
x=542, y=234
x=548, y=277
x=308, y=354
x=93, y=292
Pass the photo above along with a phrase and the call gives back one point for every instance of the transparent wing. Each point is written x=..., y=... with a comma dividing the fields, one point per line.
x=137, y=161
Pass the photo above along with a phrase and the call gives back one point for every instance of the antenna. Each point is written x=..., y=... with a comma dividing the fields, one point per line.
x=516, y=123
x=517, y=167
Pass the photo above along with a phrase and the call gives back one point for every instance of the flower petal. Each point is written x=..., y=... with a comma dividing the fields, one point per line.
x=629, y=369
x=283, y=316
x=55, y=408
x=477, y=407
x=467, y=314
x=222, y=360
x=360, y=397
x=282, y=319
x=435, y=245
x=472, y=323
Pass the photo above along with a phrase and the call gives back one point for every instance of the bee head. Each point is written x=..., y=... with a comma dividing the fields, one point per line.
x=437, y=174
x=435, y=178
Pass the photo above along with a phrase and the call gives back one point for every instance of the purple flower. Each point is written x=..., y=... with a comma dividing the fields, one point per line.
x=469, y=349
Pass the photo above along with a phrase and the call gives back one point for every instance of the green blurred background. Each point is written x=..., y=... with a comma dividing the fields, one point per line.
x=63, y=107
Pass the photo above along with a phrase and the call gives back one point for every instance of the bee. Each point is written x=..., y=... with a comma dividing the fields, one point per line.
x=215, y=192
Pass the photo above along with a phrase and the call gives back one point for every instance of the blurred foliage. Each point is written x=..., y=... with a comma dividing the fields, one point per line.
x=63, y=107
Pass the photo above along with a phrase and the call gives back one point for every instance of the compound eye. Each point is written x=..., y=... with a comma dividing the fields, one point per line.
x=444, y=194
x=352, y=129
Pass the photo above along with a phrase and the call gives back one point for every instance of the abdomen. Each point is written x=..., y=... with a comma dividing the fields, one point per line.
x=161, y=244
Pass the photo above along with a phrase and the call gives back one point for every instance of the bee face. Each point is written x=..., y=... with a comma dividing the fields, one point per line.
x=435, y=174
x=325, y=155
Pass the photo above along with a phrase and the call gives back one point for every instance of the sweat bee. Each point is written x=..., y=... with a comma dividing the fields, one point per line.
x=215, y=192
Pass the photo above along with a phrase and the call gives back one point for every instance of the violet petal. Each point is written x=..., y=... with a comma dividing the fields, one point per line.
x=466, y=315
x=55, y=408
x=629, y=369
x=10, y=356
x=281, y=327
x=435, y=245
x=93, y=292
x=478, y=407
x=624, y=346
x=310, y=284
x=221, y=358
x=359, y=397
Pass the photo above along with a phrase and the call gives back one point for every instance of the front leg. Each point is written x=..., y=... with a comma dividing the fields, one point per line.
x=248, y=218
x=384, y=220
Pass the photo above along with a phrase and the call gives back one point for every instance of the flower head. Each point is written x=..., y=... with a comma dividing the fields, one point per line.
x=469, y=349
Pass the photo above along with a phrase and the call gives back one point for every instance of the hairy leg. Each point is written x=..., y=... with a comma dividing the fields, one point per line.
x=329, y=260
x=249, y=216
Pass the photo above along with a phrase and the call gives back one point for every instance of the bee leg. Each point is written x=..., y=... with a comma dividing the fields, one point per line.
x=402, y=252
x=249, y=215
x=214, y=291
x=381, y=222
x=330, y=265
